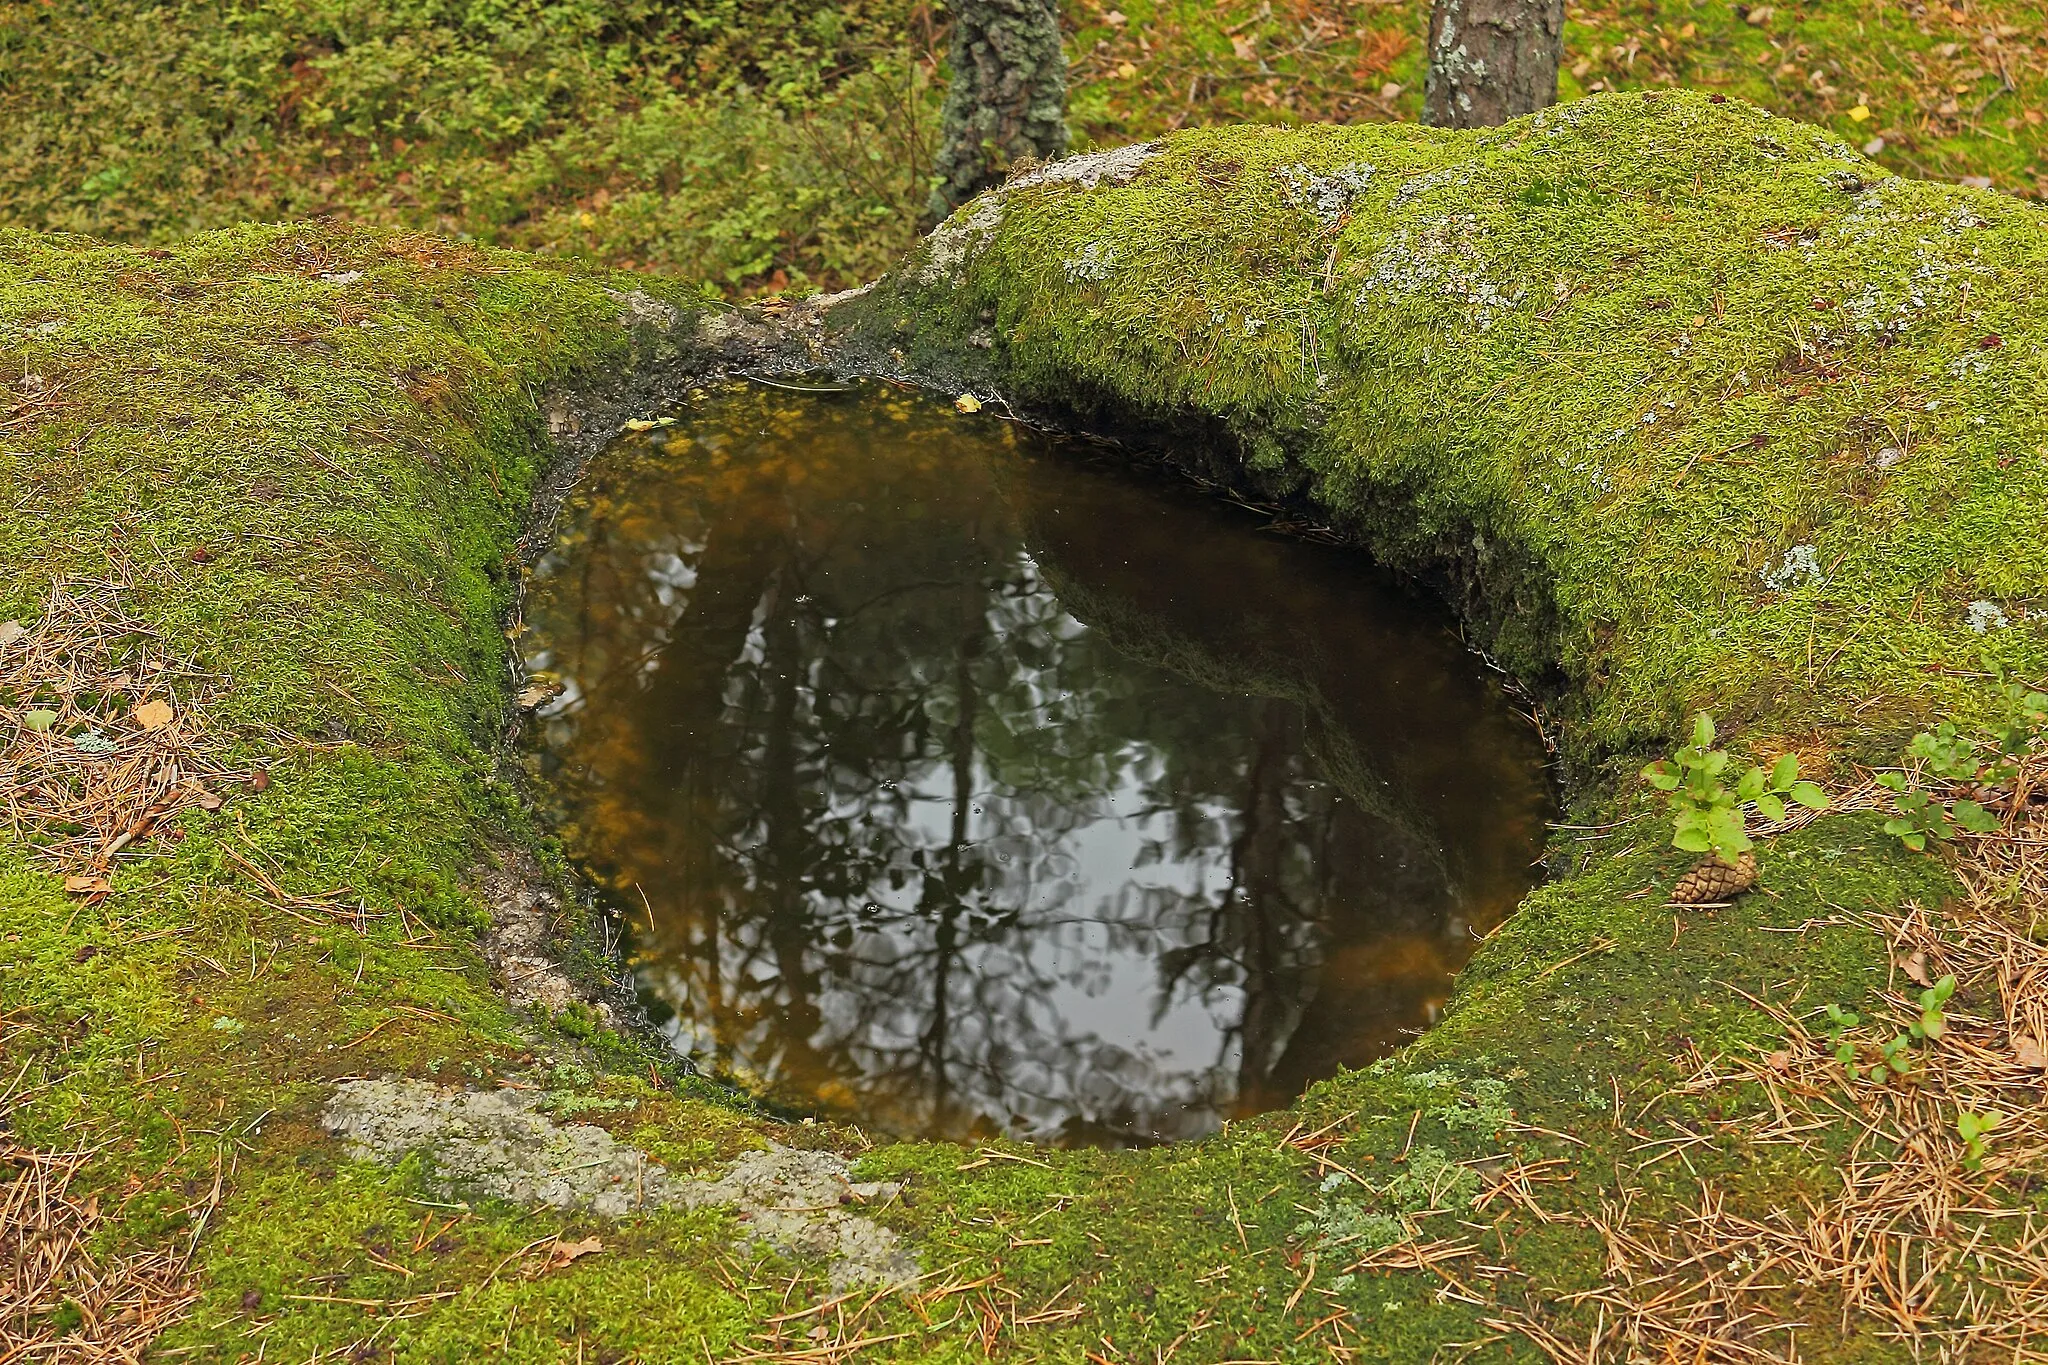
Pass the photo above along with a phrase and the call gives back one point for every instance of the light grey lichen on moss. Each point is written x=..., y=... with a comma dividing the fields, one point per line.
x=1985, y=617
x=1335, y=1223
x=638, y=309
x=1118, y=166
x=522, y=906
x=1475, y=1103
x=1798, y=568
x=1429, y=1181
x=1328, y=197
x=1091, y=264
x=502, y=1144
x=1440, y=256
x=953, y=241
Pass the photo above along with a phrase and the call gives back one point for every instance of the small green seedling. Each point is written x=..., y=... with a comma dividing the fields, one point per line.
x=1948, y=755
x=2028, y=719
x=1896, y=1059
x=1945, y=753
x=1707, y=815
x=1974, y=1129
x=1840, y=1021
x=1921, y=818
x=1932, y=1022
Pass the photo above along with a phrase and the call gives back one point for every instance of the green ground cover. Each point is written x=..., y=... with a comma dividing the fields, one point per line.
x=762, y=145
x=308, y=451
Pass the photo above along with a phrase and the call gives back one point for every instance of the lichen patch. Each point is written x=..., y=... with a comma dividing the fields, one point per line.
x=637, y=308
x=953, y=241
x=501, y=1144
x=1118, y=165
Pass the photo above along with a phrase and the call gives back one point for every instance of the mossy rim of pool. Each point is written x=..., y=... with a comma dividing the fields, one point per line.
x=1595, y=375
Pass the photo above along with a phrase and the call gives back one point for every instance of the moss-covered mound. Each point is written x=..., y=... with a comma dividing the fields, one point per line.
x=1687, y=407
x=1610, y=368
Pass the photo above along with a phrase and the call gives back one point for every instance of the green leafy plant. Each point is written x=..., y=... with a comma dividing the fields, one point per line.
x=1945, y=753
x=2027, y=720
x=1895, y=1058
x=1923, y=818
x=1840, y=1021
x=1975, y=1129
x=1932, y=1023
x=1707, y=813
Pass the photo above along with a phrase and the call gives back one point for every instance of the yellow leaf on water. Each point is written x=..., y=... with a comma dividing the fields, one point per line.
x=539, y=692
x=153, y=715
x=967, y=402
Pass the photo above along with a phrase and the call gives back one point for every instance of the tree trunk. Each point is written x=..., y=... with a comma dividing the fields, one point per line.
x=1491, y=60
x=1007, y=99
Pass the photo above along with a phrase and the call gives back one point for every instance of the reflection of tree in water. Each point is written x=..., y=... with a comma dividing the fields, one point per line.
x=917, y=844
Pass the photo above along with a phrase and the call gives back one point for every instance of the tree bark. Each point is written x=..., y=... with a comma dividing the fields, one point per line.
x=1491, y=60
x=1007, y=99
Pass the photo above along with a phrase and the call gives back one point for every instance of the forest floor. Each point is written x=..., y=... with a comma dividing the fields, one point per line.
x=761, y=147
x=309, y=1051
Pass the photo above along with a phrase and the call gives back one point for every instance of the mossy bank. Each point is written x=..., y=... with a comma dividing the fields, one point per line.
x=1684, y=406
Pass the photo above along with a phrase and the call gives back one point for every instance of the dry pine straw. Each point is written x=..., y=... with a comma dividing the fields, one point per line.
x=54, y=1278
x=125, y=750
x=125, y=746
x=1911, y=1246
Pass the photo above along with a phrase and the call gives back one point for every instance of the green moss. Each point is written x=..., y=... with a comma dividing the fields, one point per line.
x=1606, y=420
x=1453, y=366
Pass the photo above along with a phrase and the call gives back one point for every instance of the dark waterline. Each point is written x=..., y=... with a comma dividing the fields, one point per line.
x=962, y=783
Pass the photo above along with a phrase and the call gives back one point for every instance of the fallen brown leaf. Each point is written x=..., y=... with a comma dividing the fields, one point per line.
x=153, y=715
x=2028, y=1052
x=562, y=1254
x=1915, y=968
x=87, y=886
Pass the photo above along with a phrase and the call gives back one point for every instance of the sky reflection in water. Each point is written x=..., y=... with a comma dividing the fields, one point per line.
x=977, y=786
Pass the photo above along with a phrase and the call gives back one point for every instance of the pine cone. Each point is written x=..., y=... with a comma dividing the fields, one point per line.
x=1714, y=879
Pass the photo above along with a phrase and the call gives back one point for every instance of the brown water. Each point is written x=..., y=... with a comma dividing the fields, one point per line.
x=961, y=783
